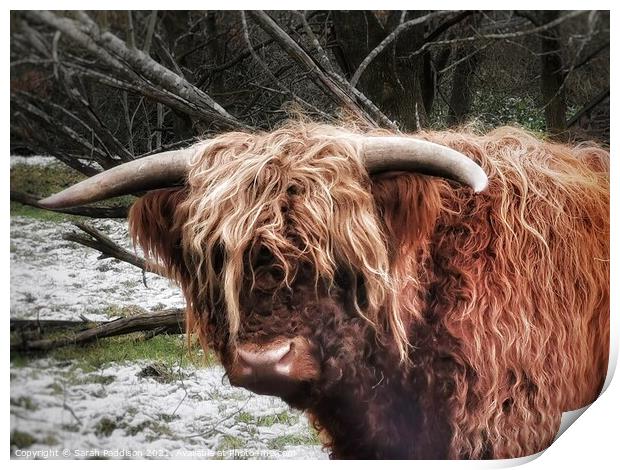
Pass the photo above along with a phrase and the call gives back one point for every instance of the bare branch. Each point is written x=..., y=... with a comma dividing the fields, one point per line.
x=443, y=27
x=21, y=100
x=499, y=36
x=108, y=248
x=591, y=56
x=589, y=106
x=131, y=34
x=40, y=144
x=149, y=32
x=388, y=40
x=136, y=66
x=271, y=75
x=325, y=62
x=315, y=71
x=107, y=139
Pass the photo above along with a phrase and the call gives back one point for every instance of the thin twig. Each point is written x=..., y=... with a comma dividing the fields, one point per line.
x=323, y=79
x=500, y=36
x=149, y=32
x=287, y=91
x=388, y=40
x=108, y=248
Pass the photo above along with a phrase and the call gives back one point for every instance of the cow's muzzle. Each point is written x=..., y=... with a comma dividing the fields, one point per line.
x=278, y=368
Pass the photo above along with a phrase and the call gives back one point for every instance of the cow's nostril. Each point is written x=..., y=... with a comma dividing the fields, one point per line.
x=263, y=358
x=274, y=369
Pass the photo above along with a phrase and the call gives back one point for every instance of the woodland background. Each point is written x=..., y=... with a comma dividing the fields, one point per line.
x=111, y=86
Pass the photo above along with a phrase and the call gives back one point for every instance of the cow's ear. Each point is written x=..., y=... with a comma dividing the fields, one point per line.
x=408, y=204
x=155, y=224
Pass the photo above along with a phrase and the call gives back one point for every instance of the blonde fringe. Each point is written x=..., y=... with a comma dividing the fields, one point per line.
x=238, y=188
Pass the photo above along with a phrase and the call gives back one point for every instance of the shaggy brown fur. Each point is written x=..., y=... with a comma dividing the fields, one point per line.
x=448, y=324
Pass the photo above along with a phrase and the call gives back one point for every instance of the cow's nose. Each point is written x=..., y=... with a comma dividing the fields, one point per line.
x=266, y=361
x=273, y=369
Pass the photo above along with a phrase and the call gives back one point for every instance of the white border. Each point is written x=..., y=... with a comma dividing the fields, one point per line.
x=591, y=443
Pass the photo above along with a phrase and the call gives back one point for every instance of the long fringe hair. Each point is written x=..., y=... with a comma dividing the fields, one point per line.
x=239, y=192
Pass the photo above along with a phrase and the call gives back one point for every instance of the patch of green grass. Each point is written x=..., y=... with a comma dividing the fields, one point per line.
x=19, y=360
x=105, y=427
x=40, y=214
x=280, y=442
x=42, y=181
x=101, y=379
x=162, y=373
x=21, y=440
x=50, y=440
x=245, y=417
x=170, y=350
x=279, y=418
x=166, y=418
x=151, y=428
x=229, y=442
x=70, y=427
x=124, y=311
x=24, y=402
x=155, y=429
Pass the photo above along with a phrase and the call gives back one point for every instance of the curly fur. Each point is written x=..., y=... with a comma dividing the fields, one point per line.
x=464, y=324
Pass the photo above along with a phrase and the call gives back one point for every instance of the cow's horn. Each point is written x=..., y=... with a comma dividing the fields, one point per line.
x=383, y=154
x=153, y=172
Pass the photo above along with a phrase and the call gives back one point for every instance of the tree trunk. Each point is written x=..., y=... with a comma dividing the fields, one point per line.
x=462, y=85
x=395, y=86
x=552, y=77
x=213, y=51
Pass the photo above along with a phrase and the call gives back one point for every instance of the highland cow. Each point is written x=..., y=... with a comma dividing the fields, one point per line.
x=378, y=283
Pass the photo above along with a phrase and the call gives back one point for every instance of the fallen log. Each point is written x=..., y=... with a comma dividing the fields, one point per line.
x=18, y=324
x=171, y=321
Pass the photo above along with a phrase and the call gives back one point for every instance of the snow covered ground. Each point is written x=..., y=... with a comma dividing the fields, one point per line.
x=40, y=160
x=115, y=412
x=56, y=279
x=61, y=411
x=32, y=160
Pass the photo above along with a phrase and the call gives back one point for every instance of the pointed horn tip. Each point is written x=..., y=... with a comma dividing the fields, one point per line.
x=481, y=185
x=53, y=202
x=47, y=203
